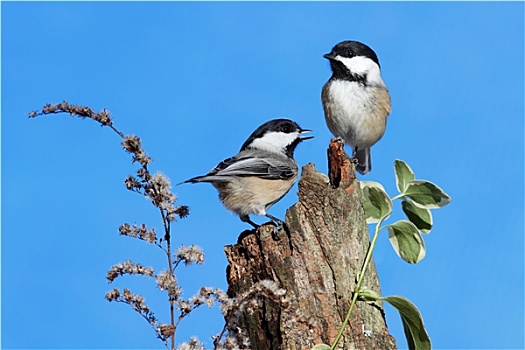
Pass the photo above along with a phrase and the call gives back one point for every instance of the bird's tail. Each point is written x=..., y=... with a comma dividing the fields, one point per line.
x=206, y=178
x=364, y=160
x=193, y=180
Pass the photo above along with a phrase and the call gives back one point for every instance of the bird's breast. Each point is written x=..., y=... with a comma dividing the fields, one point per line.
x=356, y=112
x=252, y=195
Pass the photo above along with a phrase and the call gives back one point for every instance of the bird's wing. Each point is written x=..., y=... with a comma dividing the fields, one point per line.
x=262, y=167
x=265, y=168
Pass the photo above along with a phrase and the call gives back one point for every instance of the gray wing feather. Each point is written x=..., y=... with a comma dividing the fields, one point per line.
x=266, y=168
x=270, y=168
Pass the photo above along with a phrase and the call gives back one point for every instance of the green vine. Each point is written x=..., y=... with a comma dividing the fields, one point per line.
x=418, y=197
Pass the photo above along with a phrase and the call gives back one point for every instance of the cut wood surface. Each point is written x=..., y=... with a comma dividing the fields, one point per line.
x=317, y=263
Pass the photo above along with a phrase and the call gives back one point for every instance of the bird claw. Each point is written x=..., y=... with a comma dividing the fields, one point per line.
x=278, y=226
x=340, y=139
x=276, y=229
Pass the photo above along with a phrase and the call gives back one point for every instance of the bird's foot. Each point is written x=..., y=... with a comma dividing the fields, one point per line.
x=276, y=229
x=279, y=225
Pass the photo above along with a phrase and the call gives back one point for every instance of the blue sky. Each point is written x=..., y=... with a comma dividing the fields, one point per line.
x=193, y=80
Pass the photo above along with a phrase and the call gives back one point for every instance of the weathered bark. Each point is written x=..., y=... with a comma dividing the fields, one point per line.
x=317, y=264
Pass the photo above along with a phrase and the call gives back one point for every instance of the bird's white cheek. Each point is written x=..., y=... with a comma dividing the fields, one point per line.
x=363, y=66
x=274, y=141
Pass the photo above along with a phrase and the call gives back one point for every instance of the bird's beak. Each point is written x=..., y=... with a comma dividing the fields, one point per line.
x=329, y=56
x=305, y=137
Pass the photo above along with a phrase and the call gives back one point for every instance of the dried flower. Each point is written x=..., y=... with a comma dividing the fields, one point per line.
x=144, y=174
x=112, y=294
x=189, y=254
x=133, y=184
x=161, y=189
x=236, y=339
x=128, y=267
x=182, y=211
x=102, y=117
x=248, y=301
x=193, y=344
x=166, y=281
x=210, y=295
x=140, y=232
x=158, y=189
x=185, y=307
x=136, y=302
x=132, y=144
x=166, y=330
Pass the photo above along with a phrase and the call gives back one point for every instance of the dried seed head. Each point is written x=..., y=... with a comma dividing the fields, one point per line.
x=128, y=267
x=166, y=330
x=167, y=282
x=192, y=344
x=190, y=254
x=140, y=232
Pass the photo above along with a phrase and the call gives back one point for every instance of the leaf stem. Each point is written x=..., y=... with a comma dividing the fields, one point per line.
x=359, y=282
x=401, y=195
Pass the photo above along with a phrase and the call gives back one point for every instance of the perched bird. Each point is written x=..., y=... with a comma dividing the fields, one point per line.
x=355, y=99
x=261, y=173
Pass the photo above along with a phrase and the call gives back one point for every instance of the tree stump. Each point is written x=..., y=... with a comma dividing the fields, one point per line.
x=317, y=263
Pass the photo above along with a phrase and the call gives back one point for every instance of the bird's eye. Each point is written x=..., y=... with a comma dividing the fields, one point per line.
x=285, y=129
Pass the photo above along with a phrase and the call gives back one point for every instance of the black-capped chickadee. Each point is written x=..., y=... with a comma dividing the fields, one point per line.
x=261, y=173
x=355, y=99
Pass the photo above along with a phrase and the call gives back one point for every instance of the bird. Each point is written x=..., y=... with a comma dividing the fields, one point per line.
x=355, y=99
x=261, y=173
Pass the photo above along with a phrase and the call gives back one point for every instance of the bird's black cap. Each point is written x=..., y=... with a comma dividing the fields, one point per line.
x=278, y=125
x=351, y=49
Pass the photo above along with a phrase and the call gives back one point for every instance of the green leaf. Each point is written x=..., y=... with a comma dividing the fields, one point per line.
x=407, y=241
x=415, y=332
x=404, y=175
x=368, y=294
x=426, y=194
x=421, y=217
x=322, y=347
x=376, y=202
